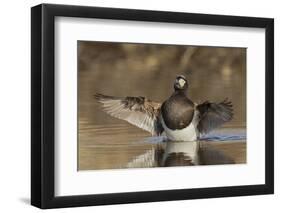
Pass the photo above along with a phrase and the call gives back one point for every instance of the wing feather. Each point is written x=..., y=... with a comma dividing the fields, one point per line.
x=138, y=111
x=213, y=115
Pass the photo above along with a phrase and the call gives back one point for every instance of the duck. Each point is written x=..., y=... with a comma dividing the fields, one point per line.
x=178, y=117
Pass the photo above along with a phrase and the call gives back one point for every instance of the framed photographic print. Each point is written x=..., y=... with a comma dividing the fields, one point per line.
x=139, y=106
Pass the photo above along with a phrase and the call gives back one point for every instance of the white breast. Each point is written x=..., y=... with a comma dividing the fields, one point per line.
x=190, y=133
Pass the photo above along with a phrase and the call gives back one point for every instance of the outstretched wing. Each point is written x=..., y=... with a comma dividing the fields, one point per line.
x=213, y=115
x=138, y=111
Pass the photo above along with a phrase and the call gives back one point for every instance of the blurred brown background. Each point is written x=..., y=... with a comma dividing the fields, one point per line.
x=120, y=69
x=124, y=69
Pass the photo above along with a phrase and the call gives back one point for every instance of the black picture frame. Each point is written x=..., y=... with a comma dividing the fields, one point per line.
x=43, y=102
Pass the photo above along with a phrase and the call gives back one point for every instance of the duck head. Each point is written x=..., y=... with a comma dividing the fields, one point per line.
x=181, y=83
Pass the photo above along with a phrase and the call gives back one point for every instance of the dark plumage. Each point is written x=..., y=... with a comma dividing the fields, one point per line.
x=177, y=111
x=178, y=116
x=213, y=115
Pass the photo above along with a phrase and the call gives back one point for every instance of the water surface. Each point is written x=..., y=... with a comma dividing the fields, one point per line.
x=124, y=146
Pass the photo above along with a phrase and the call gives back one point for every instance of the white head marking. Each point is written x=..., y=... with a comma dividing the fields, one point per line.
x=181, y=82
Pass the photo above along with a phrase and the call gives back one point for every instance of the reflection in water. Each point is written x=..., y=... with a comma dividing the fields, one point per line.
x=184, y=154
x=124, y=146
x=180, y=154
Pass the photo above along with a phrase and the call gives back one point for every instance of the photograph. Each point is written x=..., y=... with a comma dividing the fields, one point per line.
x=144, y=105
